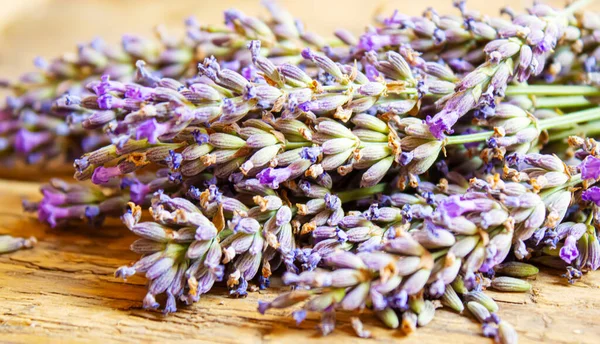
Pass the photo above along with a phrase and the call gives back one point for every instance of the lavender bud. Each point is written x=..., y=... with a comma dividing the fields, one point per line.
x=478, y=310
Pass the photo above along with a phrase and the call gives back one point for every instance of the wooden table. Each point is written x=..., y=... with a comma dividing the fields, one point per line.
x=63, y=290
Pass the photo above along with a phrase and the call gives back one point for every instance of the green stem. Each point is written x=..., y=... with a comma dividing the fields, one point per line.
x=572, y=118
x=356, y=194
x=562, y=102
x=461, y=139
x=550, y=123
x=439, y=253
x=294, y=145
x=552, y=90
x=590, y=129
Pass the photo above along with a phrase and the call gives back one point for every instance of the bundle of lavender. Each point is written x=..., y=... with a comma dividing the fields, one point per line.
x=409, y=169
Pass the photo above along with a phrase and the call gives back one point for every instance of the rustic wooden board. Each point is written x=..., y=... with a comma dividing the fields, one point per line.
x=63, y=290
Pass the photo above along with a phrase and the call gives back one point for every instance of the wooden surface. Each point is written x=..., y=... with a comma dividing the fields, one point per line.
x=63, y=290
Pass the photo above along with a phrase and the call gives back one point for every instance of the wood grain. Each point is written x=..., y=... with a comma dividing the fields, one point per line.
x=64, y=291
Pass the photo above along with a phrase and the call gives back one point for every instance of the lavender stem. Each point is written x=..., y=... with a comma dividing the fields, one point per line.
x=354, y=195
x=552, y=90
x=562, y=102
x=572, y=118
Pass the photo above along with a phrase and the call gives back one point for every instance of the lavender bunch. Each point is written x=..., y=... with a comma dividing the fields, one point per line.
x=202, y=107
x=181, y=251
x=64, y=202
x=450, y=237
x=41, y=110
x=572, y=245
x=523, y=47
x=457, y=40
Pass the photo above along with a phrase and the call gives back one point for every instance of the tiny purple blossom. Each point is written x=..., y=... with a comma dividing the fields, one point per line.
x=50, y=214
x=138, y=192
x=273, y=176
x=592, y=195
x=200, y=137
x=311, y=153
x=406, y=158
x=441, y=123
x=138, y=92
x=103, y=175
x=299, y=316
x=26, y=141
x=150, y=130
x=371, y=72
x=332, y=202
x=54, y=198
x=569, y=251
x=107, y=102
x=590, y=167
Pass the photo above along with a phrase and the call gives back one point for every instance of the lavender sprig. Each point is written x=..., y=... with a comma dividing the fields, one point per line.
x=524, y=47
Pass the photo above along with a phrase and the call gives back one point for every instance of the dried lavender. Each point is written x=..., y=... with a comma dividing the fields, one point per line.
x=524, y=47
x=401, y=171
x=43, y=108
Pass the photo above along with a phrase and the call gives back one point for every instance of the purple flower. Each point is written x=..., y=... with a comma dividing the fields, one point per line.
x=107, y=102
x=307, y=54
x=455, y=206
x=249, y=91
x=200, y=137
x=52, y=215
x=273, y=176
x=91, y=212
x=246, y=225
x=54, y=198
x=592, y=195
x=590, y=167
x=263, y=306
x=406, y=158
x=439, y=36
x=311, y=153
x=399, y=300
x=249, y=72
x=103, y=175
x=371, y=72
x=437, y=288
x=454, y=109
x=569, y=251
x=103, y=86
x=299, y=316
x=150, y=130
x=26, y=141
x=138, y=191
x=489, y=330
x=138, y=92
x=341, y=235
x=332, y=202
x=440, y=123
x=174, y=160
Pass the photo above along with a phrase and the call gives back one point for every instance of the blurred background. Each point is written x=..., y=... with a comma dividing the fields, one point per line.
x=48, y=28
